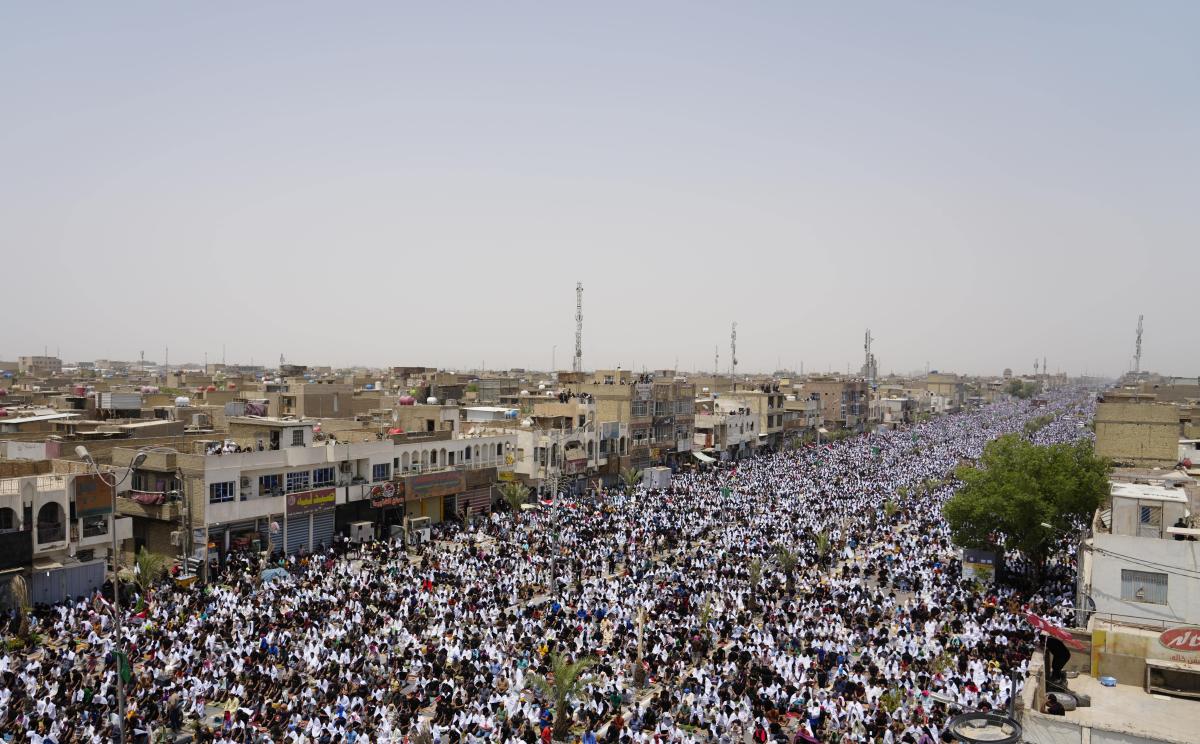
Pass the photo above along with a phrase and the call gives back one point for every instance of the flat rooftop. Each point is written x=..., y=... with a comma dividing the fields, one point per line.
x=1131, y=710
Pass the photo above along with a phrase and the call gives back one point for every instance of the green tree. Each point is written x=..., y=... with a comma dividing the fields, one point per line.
x=630, y=477
x=890, y=508
x=1023, y=390
x=515, y=495
x=566, y=681
x=787, y=563
x=20, y=594
x=1018, y=486
x=151, y=567
x=755, y=580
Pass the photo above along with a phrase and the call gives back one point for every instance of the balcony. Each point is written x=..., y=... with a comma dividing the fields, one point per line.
x=168, y=511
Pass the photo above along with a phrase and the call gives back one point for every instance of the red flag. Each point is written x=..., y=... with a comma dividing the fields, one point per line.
x=1050, y=629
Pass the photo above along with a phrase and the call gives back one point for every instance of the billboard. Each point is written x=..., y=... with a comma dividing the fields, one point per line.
x=385, y=494
x=435, y=484
x=305, y=502
x=93, y=496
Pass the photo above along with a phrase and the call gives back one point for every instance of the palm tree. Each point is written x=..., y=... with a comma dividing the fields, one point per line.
x=822, y=545
x=20, y=593
x=567, y=681
x=515, y=494
x=630, y=477
x=787, y=562
x=755, y=580
x=889, y=510
x=150, y=568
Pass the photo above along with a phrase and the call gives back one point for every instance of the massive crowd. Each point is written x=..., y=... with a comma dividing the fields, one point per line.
x=865, y=639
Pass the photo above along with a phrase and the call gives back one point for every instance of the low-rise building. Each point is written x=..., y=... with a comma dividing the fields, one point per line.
x=1133, y=429
x=726, y=428
x=56, y=523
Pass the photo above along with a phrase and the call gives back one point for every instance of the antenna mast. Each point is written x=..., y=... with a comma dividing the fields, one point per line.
x=716, y=361
x=577, y=365
x=733, y=351
x=1137, y=355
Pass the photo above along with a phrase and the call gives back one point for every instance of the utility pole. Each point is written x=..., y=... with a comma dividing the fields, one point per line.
x=732, y=352
x=577, y=365
x=1137, y=356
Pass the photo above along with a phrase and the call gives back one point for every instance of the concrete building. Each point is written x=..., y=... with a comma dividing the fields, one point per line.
x=296, y=490
x=766, y=403
x=843, y=402
x=39, y=366
x=949, y=387
x=1140, y=557
x=56, y=523
x=658, y=412
x=1133, y=429
x=726, y=428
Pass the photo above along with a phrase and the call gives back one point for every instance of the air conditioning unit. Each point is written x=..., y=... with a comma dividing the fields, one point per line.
x=177, y=538
x=344, y=466
x=245, y=481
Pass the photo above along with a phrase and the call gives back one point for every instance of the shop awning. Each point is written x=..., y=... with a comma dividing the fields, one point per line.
x=702, y=457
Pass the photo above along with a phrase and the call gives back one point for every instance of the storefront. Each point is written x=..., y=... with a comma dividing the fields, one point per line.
x=434, y=495
x=309, y=520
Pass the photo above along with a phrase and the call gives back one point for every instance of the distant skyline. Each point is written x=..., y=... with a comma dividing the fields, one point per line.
x=981, y=185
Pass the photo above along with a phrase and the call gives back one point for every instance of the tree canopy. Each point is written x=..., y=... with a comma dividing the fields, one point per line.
x=1018, y=486
x=1022, y=389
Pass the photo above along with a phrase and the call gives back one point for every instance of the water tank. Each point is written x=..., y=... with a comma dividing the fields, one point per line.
x=407, y=400
x=541, y=386
x=431, y=401
x=183, y=401
x=79, y=390
x=369, y=386
x=230, y=386
x=210, y=389
x=3, y=412
x=3, y=392
x=379, y=384
x=524, y=393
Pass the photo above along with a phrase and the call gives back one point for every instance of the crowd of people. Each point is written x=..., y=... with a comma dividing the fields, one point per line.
x=806, y=595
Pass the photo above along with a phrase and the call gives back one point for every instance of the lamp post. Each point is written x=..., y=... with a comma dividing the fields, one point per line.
x=83, y=453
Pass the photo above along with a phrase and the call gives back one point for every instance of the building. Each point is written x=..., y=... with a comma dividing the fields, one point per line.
x=1133, y=429
x=56, y=523
x=490, y=390
x=658, y=412
x=309, y=398
x=802, y=416
x=766, y=404
x=950, y=388
x=39, y=366
x=290, y=489
x=726, y=428
x=843, y=402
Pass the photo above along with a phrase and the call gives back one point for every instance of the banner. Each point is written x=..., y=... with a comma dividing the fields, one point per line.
x=93, y=497
x=435, y=484
x=305, y=502
x=384, y=494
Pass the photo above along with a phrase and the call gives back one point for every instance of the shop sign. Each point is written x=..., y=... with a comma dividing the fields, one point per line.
x=93, y=496
x=1184, y=639
x=507, y=476
x=304, y=502
x=384, y=494
x=435, y=484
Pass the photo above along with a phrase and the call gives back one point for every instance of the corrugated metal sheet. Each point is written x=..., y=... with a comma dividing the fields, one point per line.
x=322, y=523
x=297, y=533
x=120, y=401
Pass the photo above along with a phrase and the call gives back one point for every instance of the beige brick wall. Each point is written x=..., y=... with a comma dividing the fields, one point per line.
x=1138, y=433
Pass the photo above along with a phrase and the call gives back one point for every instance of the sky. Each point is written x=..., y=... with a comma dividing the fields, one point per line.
x=979, y=184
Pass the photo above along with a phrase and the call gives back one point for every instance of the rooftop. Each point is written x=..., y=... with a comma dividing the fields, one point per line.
x=1131, y=710
x=1143, y=492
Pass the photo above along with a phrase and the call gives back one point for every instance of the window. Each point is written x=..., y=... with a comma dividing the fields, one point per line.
x=270, y=484
x=1143, y=586
x=1150, y=521
x=219, y=493
x=297, y=481
x=381, y=472
x=639, y=408
x=297, y=437
x=95, y=526
x=323, y=477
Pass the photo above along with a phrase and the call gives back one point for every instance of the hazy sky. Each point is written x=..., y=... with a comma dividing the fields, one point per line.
x=980, y=184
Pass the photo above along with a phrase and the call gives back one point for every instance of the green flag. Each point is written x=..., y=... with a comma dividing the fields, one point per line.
x=724, y=492
x=123, y=667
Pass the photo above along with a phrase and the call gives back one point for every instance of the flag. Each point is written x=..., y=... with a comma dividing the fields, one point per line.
x=724, y=492
x=1050, y=629
x=123, y=667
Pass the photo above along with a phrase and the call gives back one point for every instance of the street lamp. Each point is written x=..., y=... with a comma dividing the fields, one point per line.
x=138, y=459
